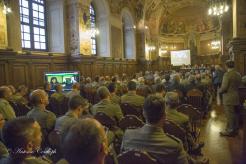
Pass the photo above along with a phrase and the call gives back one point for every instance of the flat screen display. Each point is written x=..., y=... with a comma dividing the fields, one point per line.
x=66, y=79
x=179, y=58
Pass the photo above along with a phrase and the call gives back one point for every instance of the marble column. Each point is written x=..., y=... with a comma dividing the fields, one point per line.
x=79, y=27
x=237, y=46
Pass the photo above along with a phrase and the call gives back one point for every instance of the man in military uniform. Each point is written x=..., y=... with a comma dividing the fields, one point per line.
x=110, y=109
x=58, y=95
x=18, y=97
x=45, y=118
x=172, y=102
x=112, y=89
x=23, y=138
x=131, y=97
x=152, y=138
x=5, y=108
x=106, y=106
x=85, y=142
x=229, y=88
x=77, y=105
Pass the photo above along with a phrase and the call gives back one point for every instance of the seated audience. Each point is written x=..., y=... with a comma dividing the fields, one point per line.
x=19, y=96
x=77, y=105
x=23, y=137
x=58, y=95
x=112, y=89
x=75, y=91
x=5, y=108
x=152, y=138
x=131, y=97
x=45, y=118
x=85, y=143
x=172, y=102
x=167, y=84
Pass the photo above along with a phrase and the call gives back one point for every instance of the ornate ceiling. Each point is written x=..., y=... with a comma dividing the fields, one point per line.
x=168, y=16
x=175, y=16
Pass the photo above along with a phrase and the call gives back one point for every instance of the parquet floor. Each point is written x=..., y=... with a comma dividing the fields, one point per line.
x=220, y=150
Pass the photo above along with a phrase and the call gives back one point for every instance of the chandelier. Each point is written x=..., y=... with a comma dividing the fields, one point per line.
x=217, y=7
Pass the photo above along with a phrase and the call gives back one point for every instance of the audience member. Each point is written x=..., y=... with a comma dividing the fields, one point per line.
x=75, y=91
x=77, y=106
x=58, y=95
x=106, y=106
x=19, y=96
x=23, y=137
x=85, y=142
x=131, y=97
x=152, y=138
x=45, y=118
x=112, y=89
x=5, y=108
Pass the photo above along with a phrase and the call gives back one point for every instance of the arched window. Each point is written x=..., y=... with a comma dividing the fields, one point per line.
x=93, y=28
x=33, y=24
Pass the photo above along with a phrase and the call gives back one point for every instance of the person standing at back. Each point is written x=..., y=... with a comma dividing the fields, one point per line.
x=229, y=88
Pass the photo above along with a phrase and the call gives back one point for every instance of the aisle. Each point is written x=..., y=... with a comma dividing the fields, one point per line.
x=220, y=150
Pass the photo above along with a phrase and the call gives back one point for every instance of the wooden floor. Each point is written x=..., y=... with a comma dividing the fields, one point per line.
x=220, y=150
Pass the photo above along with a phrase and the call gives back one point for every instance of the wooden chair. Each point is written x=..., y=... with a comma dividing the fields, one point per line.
x=105, y=120
x=194, y=97
x=128, y=109
x=195, y=117
x=130, y=122
x=54, y=140
x=15, y=107
x=135, y=157
x=177, y=131
x=22, y=109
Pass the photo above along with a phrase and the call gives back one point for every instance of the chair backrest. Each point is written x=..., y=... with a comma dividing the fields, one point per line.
x=105, y=120
x=190, y=111
x=130, y=122
x=242, y=94
x=135, y=157
x=128, y=109
x=23, y=109
x=54, y=139
x=194, y=97
x=181, y=95
x=175, y=130
x=15, y=107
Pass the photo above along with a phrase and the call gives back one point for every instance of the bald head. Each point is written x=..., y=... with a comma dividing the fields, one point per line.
x=39, y=97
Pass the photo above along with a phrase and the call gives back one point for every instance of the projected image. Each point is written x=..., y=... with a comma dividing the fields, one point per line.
x=179, y=58
x=66, y=79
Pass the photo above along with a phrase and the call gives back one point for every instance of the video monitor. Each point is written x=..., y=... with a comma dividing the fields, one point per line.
x=66, y=79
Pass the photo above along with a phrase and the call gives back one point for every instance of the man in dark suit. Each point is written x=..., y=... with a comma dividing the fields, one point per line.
x=152, y=138
x=229, y=88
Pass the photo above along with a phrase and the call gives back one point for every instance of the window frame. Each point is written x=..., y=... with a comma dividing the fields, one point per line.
x=93, y=23
x=31, y=25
